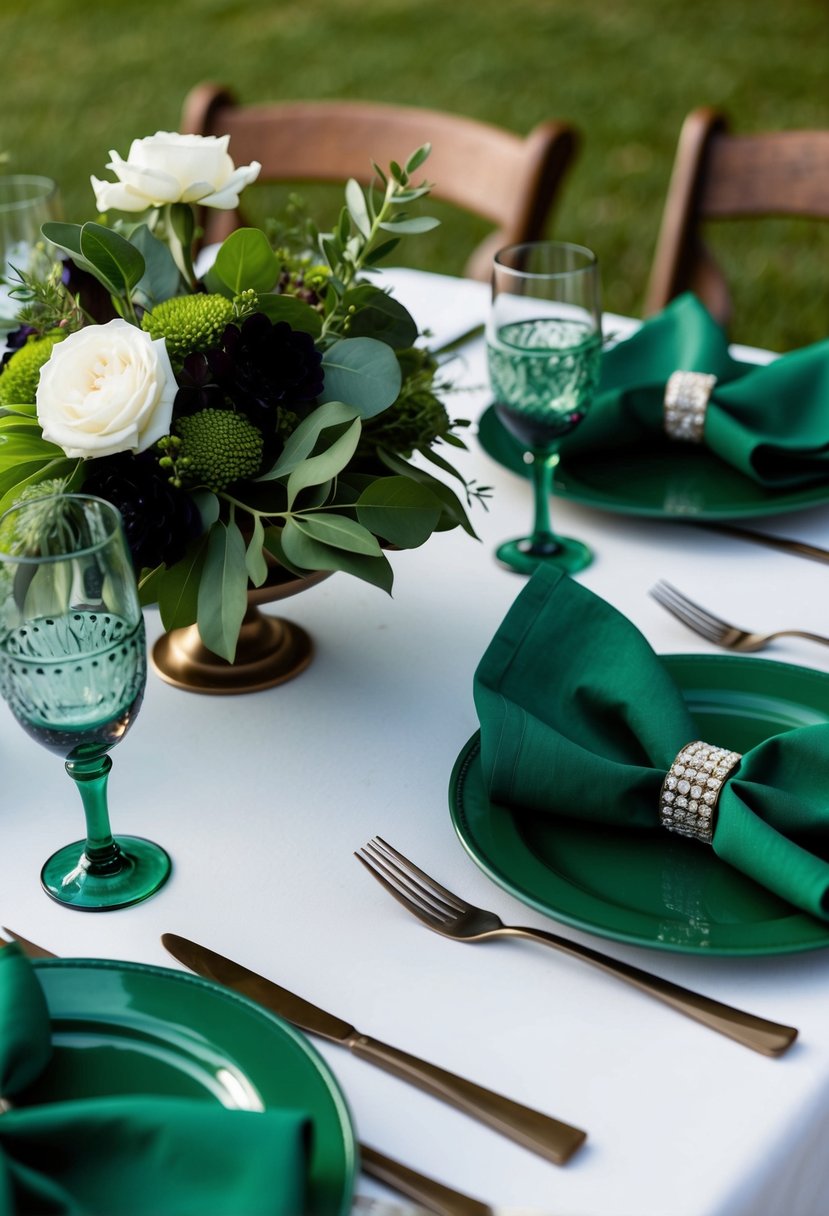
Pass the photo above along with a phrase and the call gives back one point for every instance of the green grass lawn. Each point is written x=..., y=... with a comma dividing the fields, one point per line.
x=79, y=79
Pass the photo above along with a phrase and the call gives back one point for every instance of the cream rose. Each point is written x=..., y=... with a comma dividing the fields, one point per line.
x=172, y=168
x=106, y=389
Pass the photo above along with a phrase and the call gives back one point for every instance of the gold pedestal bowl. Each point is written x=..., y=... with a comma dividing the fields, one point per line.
x=270, y=649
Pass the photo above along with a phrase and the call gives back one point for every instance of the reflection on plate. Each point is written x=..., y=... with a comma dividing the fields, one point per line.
x=667, y=480
x=654, y=889
x=129, y=1028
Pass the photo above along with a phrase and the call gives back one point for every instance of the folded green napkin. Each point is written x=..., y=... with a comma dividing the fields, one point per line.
x=580, y=718
x=131, y=1156
x=769, y=422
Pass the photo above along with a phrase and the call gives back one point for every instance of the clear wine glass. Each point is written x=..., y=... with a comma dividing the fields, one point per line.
x=73, y=666
x=544, y=346
x=26, y=203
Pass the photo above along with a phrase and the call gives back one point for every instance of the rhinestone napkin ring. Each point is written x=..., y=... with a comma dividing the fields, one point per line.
x=686, y=401
x=691, y=789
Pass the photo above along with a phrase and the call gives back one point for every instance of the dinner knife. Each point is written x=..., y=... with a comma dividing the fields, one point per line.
x=798, y=548
x=542, y=1134
x=438, y=1198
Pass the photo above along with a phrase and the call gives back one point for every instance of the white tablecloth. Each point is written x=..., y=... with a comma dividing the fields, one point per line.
x=262, y=799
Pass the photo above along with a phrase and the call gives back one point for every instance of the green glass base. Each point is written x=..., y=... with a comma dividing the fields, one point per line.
x=524, y=557
x=69, y=878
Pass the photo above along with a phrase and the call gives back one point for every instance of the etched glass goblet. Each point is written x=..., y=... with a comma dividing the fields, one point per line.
x=544, y=345
x=73, y=666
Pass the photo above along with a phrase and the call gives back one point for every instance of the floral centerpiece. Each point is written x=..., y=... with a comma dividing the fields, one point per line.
x=276, y=409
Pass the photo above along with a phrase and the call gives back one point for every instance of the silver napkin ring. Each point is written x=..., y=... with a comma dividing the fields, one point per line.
x=686, y=402
x=5, y=1105
x=692, y=787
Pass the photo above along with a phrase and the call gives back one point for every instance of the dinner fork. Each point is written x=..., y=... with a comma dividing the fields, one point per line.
x=449, y=915
x=716, y=630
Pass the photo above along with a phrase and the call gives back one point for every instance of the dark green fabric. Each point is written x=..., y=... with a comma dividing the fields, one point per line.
x=580, y=718
x=131, y=1156
x=770, y=422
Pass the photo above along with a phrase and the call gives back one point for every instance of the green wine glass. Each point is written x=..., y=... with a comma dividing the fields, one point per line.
x=73, y=666
x=544, y=346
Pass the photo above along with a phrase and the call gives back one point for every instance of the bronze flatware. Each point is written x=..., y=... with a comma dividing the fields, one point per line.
x=715, y=629
x=797, y=548
x=542, y=1134
x=436, y=1196
x=447, y=914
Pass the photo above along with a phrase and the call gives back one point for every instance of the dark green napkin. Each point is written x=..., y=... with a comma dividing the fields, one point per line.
x=131, y=1156
x=769, y=422
x=580, y=718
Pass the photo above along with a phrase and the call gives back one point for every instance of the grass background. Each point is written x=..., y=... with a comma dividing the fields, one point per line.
x=81, y=78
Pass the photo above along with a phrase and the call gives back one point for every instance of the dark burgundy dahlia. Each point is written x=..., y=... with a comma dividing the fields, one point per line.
x=260, y=368
x=159, y=520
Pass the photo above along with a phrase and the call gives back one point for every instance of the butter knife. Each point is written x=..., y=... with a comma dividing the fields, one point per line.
x=437, y=1198
x=542, y=1134
x=797, y=548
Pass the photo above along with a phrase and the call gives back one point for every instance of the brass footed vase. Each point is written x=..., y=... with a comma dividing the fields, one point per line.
x=270, y=650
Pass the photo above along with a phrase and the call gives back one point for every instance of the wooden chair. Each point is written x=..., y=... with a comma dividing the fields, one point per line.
x=508, y=180
x=720, y=176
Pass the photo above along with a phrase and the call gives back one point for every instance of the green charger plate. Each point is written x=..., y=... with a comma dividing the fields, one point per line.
x=654, y=889
x=130, y=1028
x=666, y=480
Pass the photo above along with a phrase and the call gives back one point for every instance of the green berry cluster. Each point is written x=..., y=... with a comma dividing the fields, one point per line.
x=20, y=376
x=189, y=323
x=217, y=447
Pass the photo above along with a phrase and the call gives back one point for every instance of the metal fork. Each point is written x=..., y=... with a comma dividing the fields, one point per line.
x=449, y=915
x=716, y=630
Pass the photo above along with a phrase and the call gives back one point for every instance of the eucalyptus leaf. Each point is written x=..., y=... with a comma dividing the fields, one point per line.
x=418, y=157
x=207, y=505
x=339, y=531
x=404, y=512
x=363, y=372
x=357, y=208
x=301, y=442
x=244, y=261
x=310, y=554
x=257, y=567
x=273, y=544
x=454, y=513
x=178, y=589
x=223, y=591
x=297, y=313
x=417, y=224
x=379, y=315
x=380, y=252
x=326, y=464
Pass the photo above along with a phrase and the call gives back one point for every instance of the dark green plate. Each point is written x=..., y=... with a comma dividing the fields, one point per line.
x=130, y=1028
x=666, y=480
x=654, y=889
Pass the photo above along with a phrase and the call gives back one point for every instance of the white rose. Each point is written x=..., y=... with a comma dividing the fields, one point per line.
x=106, y=389
x=172, y=168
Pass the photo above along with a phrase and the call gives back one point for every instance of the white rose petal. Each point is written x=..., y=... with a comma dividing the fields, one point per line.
x=110, y=389
x=169, y=168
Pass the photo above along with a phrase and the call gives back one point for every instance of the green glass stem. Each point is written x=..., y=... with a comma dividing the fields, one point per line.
x=543, y=542
x=102, y=853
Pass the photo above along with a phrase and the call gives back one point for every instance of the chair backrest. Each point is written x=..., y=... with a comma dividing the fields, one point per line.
x=493, y=173
x=720, y=176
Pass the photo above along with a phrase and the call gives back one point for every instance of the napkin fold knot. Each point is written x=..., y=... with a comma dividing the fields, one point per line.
x=686, y=404
x=692, y=787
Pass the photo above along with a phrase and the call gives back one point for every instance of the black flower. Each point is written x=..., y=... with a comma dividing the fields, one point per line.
x=270, y=364
x=159, y=520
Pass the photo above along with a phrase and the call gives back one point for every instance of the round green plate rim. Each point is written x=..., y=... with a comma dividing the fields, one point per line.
x=814, y=935
x=284, y=1035
x=500, y=447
